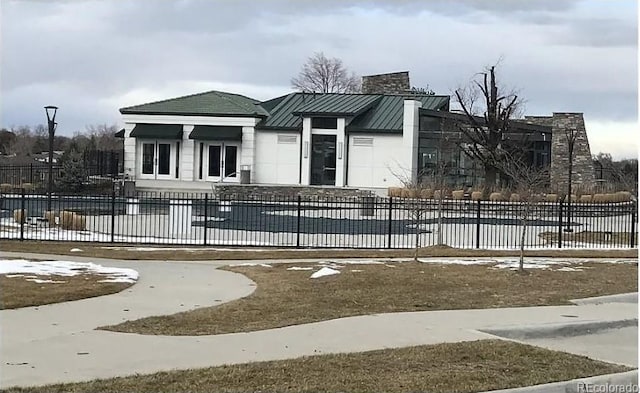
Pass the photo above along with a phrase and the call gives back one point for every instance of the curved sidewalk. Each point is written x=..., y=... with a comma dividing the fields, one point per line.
x=56, y=343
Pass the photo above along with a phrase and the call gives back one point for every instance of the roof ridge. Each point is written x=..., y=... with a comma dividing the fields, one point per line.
x=171, y=99
x=285, y=98
x=226, y=97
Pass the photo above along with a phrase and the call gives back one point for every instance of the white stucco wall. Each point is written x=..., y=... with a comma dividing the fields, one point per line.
x=377, y=165
x=277, y=160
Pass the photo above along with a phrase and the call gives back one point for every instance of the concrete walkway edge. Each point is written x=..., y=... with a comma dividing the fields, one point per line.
x=604, y=383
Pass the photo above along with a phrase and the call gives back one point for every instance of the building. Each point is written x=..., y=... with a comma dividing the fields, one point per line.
x=373, y=140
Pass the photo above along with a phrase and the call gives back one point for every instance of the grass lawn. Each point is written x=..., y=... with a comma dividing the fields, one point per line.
x=120, y=251
x=289, y=297
x=458, y=367
x=18, y=292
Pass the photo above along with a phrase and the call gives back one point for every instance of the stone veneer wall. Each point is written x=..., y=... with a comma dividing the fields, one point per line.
x=582, y=174
x=258, y=192
x=392, y=83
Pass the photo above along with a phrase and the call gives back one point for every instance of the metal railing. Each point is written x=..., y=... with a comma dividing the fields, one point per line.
x=357, y=222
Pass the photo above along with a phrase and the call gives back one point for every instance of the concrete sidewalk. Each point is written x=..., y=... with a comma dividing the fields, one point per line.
x=56, y=343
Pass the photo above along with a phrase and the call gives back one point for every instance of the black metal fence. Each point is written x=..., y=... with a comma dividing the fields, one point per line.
x=361, y=222
x=35, y=176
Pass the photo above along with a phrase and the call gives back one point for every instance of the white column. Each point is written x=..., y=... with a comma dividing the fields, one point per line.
x=187, y=154
x=341, y=155
x=129, y=151
x=305, y=168
x=247, y=149
x=410, y=137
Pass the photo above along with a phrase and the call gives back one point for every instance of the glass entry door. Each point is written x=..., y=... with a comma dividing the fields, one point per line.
x=222, y=162
x=323, y=160
x=156, y=160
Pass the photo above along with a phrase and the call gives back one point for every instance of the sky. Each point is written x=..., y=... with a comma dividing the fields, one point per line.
x=91, y=58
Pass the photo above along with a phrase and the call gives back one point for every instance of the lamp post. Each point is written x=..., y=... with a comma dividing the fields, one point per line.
x=51, y=122
x=571, y=134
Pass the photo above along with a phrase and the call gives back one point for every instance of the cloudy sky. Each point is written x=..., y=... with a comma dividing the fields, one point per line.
x=92, y=57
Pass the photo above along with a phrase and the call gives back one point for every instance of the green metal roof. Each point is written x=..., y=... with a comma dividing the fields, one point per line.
x=211, y=103
x=216, y=133
x=281, y=116
x=387, y=116
x=368, y=112
x=338, y=105
x=157, y=131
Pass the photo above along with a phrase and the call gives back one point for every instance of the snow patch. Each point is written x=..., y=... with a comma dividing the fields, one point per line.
x=76, y=250
x=65, y=268
x=325, y=271
x=251, y=264
x=39, y=281
x=299, y=268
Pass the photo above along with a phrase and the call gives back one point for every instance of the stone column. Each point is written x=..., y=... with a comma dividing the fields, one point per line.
x=582, y=174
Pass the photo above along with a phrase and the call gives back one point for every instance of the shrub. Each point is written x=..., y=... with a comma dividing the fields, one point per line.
x=476, y=195
x=395, y=192
x=50, y=216
x=20, y=215
x=458, y=194
x=495, y=197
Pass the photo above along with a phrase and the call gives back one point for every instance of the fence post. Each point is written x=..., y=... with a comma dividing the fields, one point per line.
x=113, y=216
x=298, y=222
x=478, y=211
x=31, y=173
x=560, y=224
x=389, y=227
x=22, y=215
x=206, y=218
x=632, y=238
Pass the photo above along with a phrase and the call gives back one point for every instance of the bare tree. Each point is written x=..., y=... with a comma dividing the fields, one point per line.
x=488, y=111
x=527, y=182
x=430, y=182
x=323, y=75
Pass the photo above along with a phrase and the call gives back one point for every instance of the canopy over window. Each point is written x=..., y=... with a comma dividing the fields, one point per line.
x=157, y=131
x=119, y=134
x=216, y=133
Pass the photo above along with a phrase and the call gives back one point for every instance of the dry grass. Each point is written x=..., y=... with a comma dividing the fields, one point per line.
x=18, y=292
x=285, y=297
x=606, y=238
x=458, y=367
x=107, y=251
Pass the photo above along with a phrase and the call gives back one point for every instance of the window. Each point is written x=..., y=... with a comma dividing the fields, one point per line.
x=326, y=123
x=148, y=158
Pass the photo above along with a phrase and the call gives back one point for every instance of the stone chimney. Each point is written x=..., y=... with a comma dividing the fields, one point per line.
x=583, y=172
x=391, y=83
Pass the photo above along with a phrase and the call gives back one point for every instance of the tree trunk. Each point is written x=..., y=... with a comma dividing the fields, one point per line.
x=440, y=216
x=522, y=237
x=490, y=176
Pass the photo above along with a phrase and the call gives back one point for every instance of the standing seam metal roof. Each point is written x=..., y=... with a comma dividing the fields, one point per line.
x=211, y=103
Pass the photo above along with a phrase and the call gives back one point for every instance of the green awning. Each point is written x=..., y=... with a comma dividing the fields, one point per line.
x=119, y=134
x=157, y=131
x=216, y=133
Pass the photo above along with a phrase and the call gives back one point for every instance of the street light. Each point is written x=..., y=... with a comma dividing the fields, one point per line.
x=571, y=134
x=51, y=122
